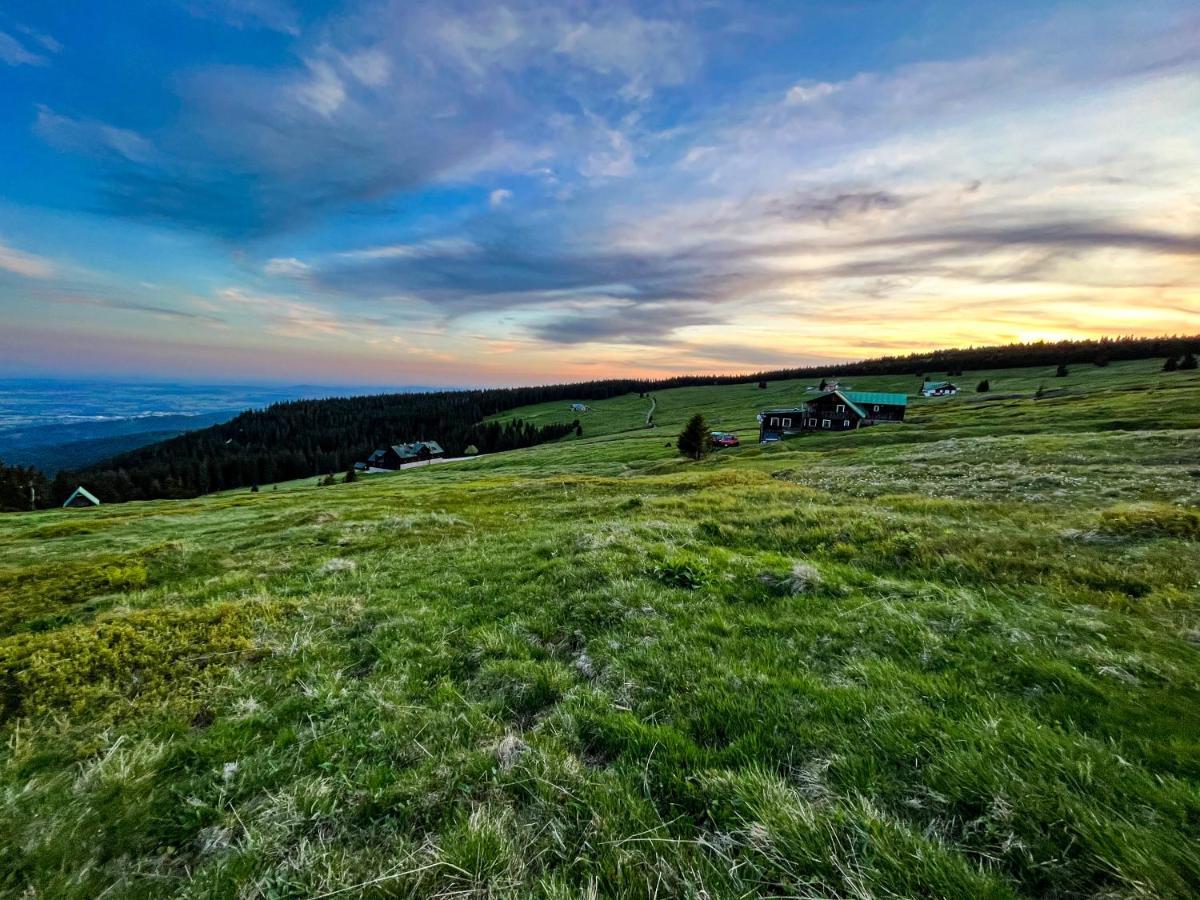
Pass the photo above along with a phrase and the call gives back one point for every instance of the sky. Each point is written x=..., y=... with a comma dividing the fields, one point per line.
x=469, y=193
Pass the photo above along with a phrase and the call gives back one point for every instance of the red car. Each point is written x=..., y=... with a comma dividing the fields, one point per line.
x=723, y=439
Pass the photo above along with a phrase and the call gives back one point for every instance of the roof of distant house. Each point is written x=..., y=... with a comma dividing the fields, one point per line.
x=81, y=491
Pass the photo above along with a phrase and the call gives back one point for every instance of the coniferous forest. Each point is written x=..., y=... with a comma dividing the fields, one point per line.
x=316, y=437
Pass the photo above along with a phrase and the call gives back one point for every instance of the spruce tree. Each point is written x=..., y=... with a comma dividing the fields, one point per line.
x=1188, y=362
x=693, y=440
x=1061, y=371
x=1171, y=364
x=984, y=386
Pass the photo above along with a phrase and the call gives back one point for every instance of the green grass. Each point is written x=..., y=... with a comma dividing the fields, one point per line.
x=954, y=657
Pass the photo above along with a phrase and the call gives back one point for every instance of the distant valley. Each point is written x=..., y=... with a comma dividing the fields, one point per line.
x=55, y=425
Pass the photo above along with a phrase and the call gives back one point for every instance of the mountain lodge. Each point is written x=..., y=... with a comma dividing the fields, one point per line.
x=398, y=455
x=832, y=411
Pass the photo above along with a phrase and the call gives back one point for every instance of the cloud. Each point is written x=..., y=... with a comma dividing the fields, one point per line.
x=650, y=324
x=827, y=207
x=14, y=53
x=286, y=267
x=811, y=92
x=24, y=264
x=91, y=137
x=324, y=92
x=499, y=197
x=156, y=310
x=275, y=15
x=257, y=151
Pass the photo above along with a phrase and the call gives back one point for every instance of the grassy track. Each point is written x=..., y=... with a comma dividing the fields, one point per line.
x=954, y=657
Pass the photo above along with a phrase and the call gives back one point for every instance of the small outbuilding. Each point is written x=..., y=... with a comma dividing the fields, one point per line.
x=82, y=497
x=939, y=389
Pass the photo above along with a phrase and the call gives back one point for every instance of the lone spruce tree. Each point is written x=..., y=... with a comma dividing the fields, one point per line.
x=1188, y=363
x=693, y=440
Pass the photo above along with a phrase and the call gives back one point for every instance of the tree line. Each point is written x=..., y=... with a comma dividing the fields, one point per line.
x=305, y=438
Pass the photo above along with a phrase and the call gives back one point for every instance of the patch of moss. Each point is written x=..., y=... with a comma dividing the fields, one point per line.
x=140, y=657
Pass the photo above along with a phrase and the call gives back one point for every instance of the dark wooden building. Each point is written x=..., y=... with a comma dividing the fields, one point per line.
x=398, y=455
x=832, y=411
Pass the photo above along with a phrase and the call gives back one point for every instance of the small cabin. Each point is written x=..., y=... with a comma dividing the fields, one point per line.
x=939, y=389
x=81, y=498
x=580, y=407
x=398, y=455
x=832, y=411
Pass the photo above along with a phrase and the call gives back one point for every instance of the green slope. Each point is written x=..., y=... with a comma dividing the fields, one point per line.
x=954, y=657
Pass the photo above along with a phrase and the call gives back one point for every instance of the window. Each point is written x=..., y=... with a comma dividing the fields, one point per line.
x=824, y=423
x=846, y=424
x=774, y=420
x=875, y=408
x=841, y=408
x=812, y=423
x=787, y=423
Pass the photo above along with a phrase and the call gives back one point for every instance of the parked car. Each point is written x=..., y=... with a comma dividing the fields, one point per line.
x=723, y=439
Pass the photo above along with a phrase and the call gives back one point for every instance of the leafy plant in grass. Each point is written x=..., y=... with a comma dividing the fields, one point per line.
x=693, y=440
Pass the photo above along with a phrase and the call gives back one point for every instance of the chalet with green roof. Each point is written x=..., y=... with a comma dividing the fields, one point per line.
x=832, y=411
x=939, y=389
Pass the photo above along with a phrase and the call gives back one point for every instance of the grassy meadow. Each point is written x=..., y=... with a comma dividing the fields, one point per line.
x=954, y=657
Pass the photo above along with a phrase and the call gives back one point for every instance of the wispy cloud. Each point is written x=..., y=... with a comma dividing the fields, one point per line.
x=276, y=15
x=14, y=53
x=93, y=138
x=28, y=265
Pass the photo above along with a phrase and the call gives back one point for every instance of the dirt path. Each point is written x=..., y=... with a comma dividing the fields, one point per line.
x=650, y=414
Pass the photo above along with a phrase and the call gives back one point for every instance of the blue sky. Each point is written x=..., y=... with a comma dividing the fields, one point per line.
x=465, y=192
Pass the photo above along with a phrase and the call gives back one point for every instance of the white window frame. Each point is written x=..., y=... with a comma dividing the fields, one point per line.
x=841, y=408
x=775, y=420
x=846, y=424
x=787, y=423
x=825, y=423
x=875, y=408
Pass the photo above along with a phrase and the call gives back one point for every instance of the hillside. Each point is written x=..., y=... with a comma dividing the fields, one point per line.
x=952, y=657
x=305, y=438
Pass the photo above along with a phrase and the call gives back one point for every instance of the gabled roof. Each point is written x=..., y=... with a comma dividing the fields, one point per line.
x=934, y=385
x=880, y=397
x=411, y=451
x=81, y=491
x=856, y=400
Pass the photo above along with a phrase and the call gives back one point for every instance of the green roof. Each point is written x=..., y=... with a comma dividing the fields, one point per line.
x=876, y=397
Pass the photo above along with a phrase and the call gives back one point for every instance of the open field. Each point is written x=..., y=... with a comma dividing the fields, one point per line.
x=954, y=657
